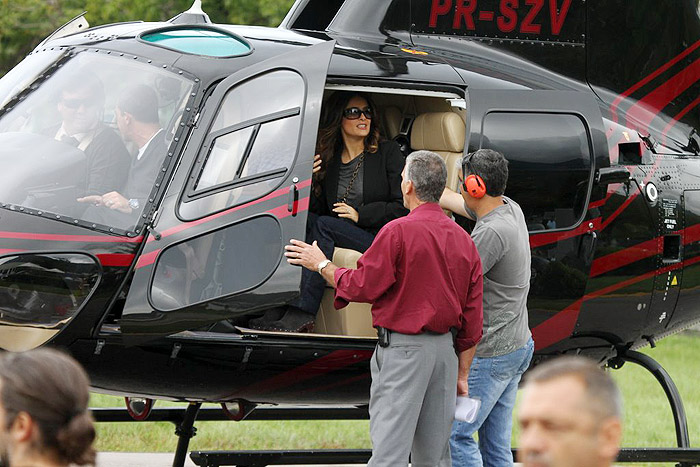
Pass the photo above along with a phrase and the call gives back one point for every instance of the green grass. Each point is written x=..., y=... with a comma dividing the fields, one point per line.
x=648, y=420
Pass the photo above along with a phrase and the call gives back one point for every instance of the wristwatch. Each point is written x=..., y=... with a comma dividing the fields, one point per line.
x=134, y=203
x=322, y=265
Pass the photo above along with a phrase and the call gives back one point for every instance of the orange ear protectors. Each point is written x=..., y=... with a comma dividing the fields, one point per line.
x=473, y=183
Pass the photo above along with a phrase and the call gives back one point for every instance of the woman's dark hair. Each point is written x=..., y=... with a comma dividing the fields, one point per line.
x=329, y=142
x=53, y=390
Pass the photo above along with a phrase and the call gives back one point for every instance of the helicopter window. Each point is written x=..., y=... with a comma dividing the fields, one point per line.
x=549, y=164
x=252, y=143
x=199, y=41
x=233, y=266
x=63, y=146
x=234, y=143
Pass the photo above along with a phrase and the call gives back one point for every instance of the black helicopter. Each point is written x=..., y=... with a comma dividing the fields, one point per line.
x=595, y=103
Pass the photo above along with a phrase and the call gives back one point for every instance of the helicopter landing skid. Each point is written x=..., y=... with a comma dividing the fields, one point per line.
x=674, y=397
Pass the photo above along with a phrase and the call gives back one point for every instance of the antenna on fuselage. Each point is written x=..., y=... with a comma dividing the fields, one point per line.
x=195, y=15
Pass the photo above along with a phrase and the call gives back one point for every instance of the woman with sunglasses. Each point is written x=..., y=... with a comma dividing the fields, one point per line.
x=356, y=189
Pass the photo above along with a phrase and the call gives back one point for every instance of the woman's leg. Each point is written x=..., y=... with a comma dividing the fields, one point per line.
x=329, y=232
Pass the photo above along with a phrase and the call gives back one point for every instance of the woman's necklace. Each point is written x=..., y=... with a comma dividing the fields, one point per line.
x=344, y=198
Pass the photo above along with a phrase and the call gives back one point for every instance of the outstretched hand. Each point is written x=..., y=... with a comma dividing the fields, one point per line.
x=303, y=254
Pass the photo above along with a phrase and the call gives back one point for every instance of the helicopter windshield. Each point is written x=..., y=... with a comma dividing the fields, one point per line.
x=87, y=143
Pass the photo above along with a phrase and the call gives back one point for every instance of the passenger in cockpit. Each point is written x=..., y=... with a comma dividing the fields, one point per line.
x=137, y=119
x=356, y=189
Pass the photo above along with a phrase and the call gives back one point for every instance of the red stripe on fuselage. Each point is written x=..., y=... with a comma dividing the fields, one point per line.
x=147, y=258
x=279, y=212
x=541, y=239
x=187, y=225
x=666, y=66
x=561, y=325
x=69, y=238
x=115, y=260
x=5, y=251
x=678, y=116
x=624, y=257
x=556, y=328
x=646, y=109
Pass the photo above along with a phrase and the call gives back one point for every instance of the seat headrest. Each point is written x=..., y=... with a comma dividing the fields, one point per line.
x=438, y=131
x=392, y=121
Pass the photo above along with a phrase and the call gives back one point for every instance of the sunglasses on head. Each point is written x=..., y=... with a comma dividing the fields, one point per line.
x=353, y=113
x=76, y=103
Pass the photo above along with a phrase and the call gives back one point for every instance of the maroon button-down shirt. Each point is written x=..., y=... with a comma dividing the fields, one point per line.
x=421, y=274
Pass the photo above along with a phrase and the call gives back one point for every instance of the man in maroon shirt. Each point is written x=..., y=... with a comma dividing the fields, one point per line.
x=422, y=275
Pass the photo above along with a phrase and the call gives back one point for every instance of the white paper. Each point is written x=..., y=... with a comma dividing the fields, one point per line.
x=467, y=409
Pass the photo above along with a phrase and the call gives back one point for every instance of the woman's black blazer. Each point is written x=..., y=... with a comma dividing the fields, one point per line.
x=381, y=188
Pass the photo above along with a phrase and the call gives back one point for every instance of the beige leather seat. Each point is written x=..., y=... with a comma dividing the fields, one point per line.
x=392, y=121
x=443, y=133
x=353, y=320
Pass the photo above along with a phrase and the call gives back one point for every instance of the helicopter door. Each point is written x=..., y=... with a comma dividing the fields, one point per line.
x=552, y=140
x=240, y=193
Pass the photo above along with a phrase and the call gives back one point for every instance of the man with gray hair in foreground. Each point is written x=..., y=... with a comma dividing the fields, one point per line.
x=570, y=415
x=422, y=275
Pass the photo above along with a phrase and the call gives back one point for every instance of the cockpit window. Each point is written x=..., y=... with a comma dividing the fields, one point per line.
x=199, y=41
x=90, y=141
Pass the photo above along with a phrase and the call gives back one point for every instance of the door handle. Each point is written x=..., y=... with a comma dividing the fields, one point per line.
x=587, y=248
x=293, y=200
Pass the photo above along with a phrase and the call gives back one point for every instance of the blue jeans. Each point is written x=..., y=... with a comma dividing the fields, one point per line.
x=329, y=232
x=494, y=380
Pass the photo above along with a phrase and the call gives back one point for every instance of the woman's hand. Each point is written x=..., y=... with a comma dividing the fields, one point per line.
x=346, y=211
x=317, y=163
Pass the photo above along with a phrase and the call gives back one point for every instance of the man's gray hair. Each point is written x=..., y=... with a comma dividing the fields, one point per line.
x=428, y=173
x=603, y=398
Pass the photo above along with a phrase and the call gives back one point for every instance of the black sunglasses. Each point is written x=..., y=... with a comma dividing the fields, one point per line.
x=76, y=103
x=353, y=113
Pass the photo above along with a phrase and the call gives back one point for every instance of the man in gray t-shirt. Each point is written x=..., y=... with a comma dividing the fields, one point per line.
x=506, y=348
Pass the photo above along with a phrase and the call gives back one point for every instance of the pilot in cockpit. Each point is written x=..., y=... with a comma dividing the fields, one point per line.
x=81, y=107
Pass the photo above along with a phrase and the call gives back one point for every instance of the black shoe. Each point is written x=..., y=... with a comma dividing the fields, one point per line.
x=270, y=316
x=294, y=320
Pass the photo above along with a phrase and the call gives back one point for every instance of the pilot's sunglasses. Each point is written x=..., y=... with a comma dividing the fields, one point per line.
x=76, y=103
x=353, y=113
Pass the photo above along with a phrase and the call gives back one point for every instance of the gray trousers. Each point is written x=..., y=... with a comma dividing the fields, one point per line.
x=412, y=401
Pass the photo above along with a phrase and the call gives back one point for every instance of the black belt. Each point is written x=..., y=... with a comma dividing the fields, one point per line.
x=384, y=339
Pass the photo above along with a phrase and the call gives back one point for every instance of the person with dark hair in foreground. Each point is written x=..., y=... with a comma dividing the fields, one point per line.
x=44, y=417
x=422, y=275
x=570, y=415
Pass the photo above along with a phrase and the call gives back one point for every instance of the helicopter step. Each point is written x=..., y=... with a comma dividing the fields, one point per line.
x=185, y=430
x=684, y=456
x=295, y=457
